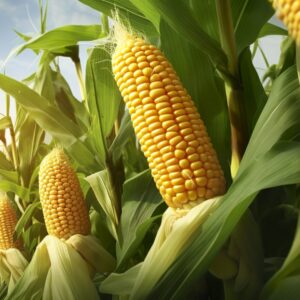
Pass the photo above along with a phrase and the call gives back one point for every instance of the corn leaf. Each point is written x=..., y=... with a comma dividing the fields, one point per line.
x=57, y=39
x=30, y=138
x=120, y=283
x=205, y=13
x=9, y=175
x=127, y=12
x=9, y=186
x=284, y=282
x=5, y=164
x=103, y=98
x=104, y=193
x=247, y=22
x=140, y=200
x=148, y=11
x=5, y=122
x=271, y=29
x=254, y=95
x=126, y=130
x=271, y=159
x=26, y=217
x=188, y=28
x=51, y=119
x=205, y=87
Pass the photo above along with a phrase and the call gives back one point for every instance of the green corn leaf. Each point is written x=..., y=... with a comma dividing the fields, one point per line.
x=271, y=29
x=5, y=122
x=126, y=130
x=120, y=283
x=5, y=164
x=140, y=200
x=103, y=97
x=26, y=217
x=51, y=119
x=254, y=95
x=148, y=11
x=247, y=22
x=9, y=175
x=9, y=186
x=188, y=28
x=59, y=38
x=284, y=282
x=100, y=183
x=126, y=11
x=205, y=13
x=31, y=137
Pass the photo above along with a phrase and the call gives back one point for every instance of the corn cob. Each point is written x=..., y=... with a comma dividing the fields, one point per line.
x=8, y=221
x=63, y=204
x=289, y=12
x=172, y=135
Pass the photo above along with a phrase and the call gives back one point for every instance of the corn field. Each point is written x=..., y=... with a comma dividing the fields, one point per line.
x=174, y=176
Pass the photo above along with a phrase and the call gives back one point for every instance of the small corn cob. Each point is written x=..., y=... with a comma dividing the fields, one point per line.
x=289, y=12
x=173, y=138
x=8, y=221
x=63, y=204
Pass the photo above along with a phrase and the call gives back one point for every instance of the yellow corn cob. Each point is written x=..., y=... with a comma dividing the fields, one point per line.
x=8, y=221
x=64, y=208
x=172, y=135
x=289, y=12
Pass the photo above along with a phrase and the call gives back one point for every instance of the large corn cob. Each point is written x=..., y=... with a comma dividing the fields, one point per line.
x=64, y=208
x=172, y=135
x=289, y=12
x=8, y=221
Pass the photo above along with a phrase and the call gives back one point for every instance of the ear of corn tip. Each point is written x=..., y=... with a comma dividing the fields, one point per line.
x=62, y=200
x=169, y=128
x=8, y=222
x=289, y=12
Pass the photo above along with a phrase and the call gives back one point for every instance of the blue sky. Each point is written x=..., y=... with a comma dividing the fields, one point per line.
x=23, y=15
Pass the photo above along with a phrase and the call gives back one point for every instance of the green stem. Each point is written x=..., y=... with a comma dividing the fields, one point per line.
x=234, y=92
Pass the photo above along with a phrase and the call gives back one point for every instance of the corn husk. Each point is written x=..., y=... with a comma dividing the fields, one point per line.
x=12, y=266
x=59, y=272
x=177, y=228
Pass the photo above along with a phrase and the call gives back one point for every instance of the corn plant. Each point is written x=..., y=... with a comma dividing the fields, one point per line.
x=189, y=188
